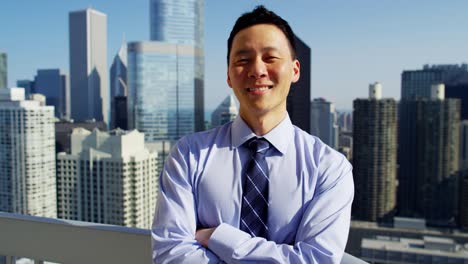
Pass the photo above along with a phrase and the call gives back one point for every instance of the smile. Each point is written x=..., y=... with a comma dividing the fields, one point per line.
x=259, y=89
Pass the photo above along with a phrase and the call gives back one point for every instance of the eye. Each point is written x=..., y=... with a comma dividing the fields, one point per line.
x=271, y=58
x=241, y=61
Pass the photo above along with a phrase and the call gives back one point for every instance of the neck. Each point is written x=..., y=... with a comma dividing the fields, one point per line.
x=262, y=124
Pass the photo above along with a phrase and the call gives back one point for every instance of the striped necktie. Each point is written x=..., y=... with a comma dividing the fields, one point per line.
x=254, y=211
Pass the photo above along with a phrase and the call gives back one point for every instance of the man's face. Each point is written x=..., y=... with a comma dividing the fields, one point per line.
x=261, y=70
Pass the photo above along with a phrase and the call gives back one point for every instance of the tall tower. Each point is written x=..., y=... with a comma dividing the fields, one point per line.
x=298, y=101
x=429, y=158
x=54, y=85
x=374, y=156
x=3, y=70
x=27, y=148
x=323, y=121
x=107, y=178
x=417, y=83
x=118, y=83
x=161, y=96
x=177, y=93
x=89, y=79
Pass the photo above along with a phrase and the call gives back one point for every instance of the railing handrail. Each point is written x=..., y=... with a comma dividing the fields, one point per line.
x=71, y=242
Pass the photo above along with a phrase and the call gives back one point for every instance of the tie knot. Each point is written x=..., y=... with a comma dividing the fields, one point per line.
x=259, y=145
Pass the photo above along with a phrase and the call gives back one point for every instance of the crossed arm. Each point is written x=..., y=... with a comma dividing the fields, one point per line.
x=321, y=235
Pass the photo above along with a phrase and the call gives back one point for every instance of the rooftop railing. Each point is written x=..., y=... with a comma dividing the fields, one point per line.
x=73, y=242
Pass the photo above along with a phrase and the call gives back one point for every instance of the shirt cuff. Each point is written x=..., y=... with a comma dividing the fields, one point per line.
x=225, y=239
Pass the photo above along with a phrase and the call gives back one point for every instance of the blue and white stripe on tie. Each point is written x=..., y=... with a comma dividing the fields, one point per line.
x=254, y=211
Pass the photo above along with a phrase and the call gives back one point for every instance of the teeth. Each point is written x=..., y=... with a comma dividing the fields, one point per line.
x=258, y=89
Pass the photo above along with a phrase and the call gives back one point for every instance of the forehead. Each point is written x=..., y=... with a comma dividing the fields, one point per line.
x=260, y=36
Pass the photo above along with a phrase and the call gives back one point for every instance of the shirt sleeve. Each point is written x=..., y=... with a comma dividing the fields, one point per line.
x=321, y=236
x=174, y=225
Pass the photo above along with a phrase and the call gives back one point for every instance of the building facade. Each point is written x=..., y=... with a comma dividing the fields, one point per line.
x=89, y=81
x=428, y=158
x=180, y=23
x=225, y=112
x=374, y=156
x=323, y=121
x=417, y=83
x=27, y=166
x=53, y=84
x=3, y=70
x=162, y=100
x=298, y=100
x=107, y=178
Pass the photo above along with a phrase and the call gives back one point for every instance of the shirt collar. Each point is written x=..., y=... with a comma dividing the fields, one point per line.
x=280, y=136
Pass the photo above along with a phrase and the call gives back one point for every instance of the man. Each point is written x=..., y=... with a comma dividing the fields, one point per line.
x=258, y=189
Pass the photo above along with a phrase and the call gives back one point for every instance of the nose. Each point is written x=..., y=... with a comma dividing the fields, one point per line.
x=257, y=69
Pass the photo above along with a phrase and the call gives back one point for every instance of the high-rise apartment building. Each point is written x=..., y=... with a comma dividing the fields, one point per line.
x=3, y=70
x=89, y=81
x=417, y=83
x=107, y=178
x=53, y=84
x=118, y=83
x=27, y=151
x=323, y=121
x=166, y=75
x=374, y=156
x=428, y=158
x=225, y=112
x=298, y=101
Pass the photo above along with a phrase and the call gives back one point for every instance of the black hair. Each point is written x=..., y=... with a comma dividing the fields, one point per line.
x=261, y=15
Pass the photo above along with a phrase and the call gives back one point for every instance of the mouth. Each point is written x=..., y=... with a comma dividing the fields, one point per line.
x=259, y=89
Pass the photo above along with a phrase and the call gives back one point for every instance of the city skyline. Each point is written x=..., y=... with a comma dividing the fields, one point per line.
x=353, y=44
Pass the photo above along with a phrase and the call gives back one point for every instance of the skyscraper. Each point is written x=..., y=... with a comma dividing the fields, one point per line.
x=28, y=85
x=177, y=21
x=107, y=178
x=374, y=156
x=417, y=83
x=428, y=157
x=161, y=96
x=27, y=166
x=323, y=121
x=298, y=101
x=463, y=206
x=118, y=81
x=53, y=84
x=3, y=70
x=165, y=75
x=459, y=89
x=88, y=65
x=225, y=112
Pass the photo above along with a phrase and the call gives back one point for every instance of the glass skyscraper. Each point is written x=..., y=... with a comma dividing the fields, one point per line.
x=177, y=21
x=161, y=98
x=166, y=75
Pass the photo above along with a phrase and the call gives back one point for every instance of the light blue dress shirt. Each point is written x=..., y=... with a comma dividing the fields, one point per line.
x=311, y=192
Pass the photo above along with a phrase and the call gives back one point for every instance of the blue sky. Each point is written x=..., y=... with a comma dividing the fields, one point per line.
x=353, y=43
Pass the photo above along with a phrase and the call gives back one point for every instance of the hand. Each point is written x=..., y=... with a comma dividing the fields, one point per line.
x=203, y=235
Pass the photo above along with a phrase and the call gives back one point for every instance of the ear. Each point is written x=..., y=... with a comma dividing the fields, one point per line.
x=228, y=79
x=296, y=71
